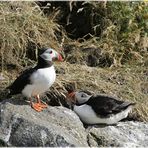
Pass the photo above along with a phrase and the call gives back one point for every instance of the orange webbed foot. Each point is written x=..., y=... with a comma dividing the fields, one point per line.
x=37, y=107
x=43, y=105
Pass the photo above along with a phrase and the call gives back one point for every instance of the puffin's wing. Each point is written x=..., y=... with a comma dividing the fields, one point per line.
x=104, y=105
x=17, y=86
x=122, y=107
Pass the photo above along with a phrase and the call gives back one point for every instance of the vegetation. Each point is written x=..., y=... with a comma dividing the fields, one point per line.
x=24, y=27
x=111, y=58
x=120, y=31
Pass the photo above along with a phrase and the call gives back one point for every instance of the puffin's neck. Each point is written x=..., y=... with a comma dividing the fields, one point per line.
x=43, y=63
x=79, y=104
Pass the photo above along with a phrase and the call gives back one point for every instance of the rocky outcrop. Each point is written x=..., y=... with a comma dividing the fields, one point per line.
x=124, y=134
x=20, y=125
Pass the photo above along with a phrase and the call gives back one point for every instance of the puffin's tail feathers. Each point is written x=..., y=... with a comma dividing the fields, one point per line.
x=124, y=105
x=8, y=92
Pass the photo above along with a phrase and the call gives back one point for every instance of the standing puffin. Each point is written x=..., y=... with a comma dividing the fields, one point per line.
x=99, y=109
x=37, y=80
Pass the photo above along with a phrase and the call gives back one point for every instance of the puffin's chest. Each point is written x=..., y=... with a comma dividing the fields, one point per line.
x=45, y=76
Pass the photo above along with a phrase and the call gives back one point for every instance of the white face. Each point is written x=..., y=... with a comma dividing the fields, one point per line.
x=49, y=54
x=82, y=97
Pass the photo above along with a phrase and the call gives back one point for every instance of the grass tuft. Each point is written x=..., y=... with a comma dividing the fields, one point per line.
x=24, y=27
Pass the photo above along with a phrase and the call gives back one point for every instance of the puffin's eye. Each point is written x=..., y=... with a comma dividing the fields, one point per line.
x=50, y=52
x=82, y=95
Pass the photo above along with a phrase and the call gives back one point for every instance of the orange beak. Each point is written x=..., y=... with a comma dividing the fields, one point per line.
x=71, y=96
x=60, y=58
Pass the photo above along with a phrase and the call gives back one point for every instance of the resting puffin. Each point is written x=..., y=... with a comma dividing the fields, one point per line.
x=37, y=80
x=99, y=109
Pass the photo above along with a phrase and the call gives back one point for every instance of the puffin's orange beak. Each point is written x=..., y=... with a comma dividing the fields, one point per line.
x=71, y=96
x=60, y=58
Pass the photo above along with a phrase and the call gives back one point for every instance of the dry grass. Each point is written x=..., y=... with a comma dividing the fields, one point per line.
x=123, y=28
x=119, y=54
x=24, y=27
x=126, y=83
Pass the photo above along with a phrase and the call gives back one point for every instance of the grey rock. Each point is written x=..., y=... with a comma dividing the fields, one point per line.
x=20, y=125
x=124, y=134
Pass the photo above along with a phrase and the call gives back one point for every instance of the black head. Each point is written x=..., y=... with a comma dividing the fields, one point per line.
x=46, y=56
x=86, y=92
x=79, y=97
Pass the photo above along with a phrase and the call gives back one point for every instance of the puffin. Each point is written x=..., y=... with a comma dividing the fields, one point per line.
x=37, y=80
x=98, y=109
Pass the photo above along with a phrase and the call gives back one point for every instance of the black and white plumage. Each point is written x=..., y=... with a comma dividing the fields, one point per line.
x=99, y=109
x=37, y=80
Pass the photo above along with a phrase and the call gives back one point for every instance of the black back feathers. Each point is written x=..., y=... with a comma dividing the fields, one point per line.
x=41, y=50
x=104, y=105
x=18, y=85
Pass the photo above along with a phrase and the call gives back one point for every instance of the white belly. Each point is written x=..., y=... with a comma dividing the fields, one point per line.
x=41, y=80
x=87, y=115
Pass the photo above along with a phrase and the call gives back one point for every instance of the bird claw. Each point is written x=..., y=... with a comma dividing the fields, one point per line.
x=38, y=106
x=42, y=105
